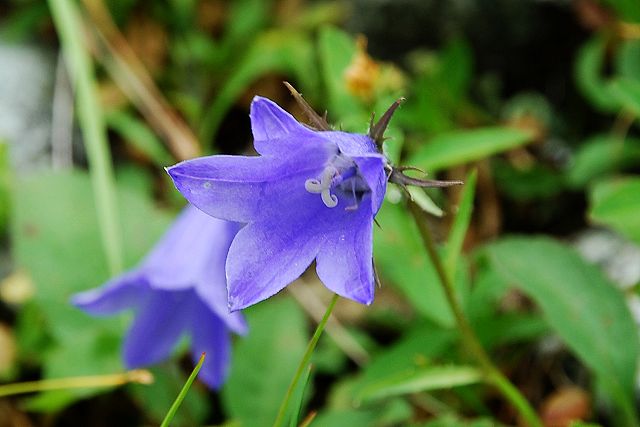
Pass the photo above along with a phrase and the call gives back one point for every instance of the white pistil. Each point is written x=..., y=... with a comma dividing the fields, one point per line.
x=323, y=187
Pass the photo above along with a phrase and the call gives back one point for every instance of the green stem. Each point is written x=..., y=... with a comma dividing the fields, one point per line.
x=183, y=393
x=282, y=412
x=492, y=373
x=68, y=23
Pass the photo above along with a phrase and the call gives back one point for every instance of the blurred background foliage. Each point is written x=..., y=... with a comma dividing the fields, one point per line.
x=535, y=104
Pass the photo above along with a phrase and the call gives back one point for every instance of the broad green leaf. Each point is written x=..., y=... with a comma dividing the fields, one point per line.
x=616, y=203
x=401, y=258
x=425, y=379
x=602, y=155
x=581, y=305
x=395, y=412
x=464, y=146
x=264, y=361
x=589, y=78
x=458, y=231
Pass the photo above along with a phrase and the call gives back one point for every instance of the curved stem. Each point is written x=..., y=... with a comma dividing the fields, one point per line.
x=469, y=338
x=282, y=412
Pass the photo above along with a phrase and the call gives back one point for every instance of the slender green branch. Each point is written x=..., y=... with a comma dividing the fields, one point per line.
x=136, y=376
x=66, y=18
x=282, y=412
x=492, y=373
x=183, y=393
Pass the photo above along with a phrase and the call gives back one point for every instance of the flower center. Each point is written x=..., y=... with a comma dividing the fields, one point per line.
x=341, y=176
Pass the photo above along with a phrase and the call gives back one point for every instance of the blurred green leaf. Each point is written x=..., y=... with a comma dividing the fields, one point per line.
x=402, y=259
x=537, y=181
x=581, y=305
x=588, y=71
x=138, y=134
x=628, y=10
x=627, y=93
x=601, y=155
x=454, y=421
x=264, y=361
x=337, y=49
x=395, y=412
x=272, y=51
x=425, y=379
x=616, y=203
x=628, y=59
x=464, y=146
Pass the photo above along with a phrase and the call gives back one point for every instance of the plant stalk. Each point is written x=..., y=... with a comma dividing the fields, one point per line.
x=282, y=412
x=469, y=338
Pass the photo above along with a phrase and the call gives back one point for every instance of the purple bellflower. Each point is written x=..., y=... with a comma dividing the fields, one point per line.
x=178, y=289
x=309, y=195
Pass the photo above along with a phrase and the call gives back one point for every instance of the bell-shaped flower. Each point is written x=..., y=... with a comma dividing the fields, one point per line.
x=179, y=289
x=309, y=195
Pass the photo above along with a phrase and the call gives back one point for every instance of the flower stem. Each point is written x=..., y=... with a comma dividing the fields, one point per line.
x=469, y=338
x=68, y=23
x=136, y=376
x=282, y=412
x=183, y=393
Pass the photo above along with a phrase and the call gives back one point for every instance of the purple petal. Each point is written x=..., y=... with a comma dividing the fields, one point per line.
x=345, y=261
x=158, y=325
x=243, y=189
x=193, y=250
x=271, y=126
x=209, y=335
x=371, y=168
x=352, y=144
x=265, y=257
x=123, y=292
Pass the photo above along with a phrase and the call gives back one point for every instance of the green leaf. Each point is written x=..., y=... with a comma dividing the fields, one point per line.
x=401, y=258
x=336, y=49
x=264, y=361
x=588, y=72
x=616, y=203
x=628, y=59
x=425, y=379
x=272, y=51
x=139, y=136
x=464, y=146
x=627, y=93
x=581, y=305
x=602, y=155
x=628, y=10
